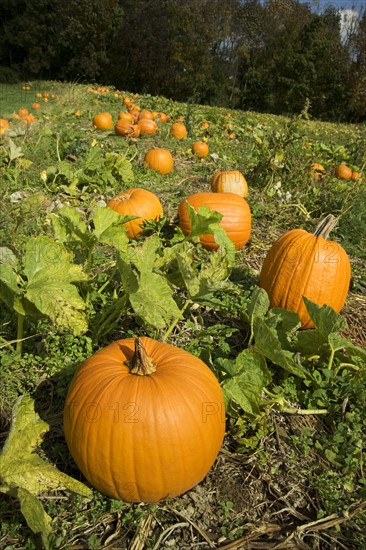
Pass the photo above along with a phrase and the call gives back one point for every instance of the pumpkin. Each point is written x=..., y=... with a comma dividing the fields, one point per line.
x=36, y=106
x=236, y=220
x=4, y=124
x=144, y=420
x=29, y=119
x=303, y=264
x=160, y=160
x=22, y=111
x=124, y=115
x=200, y=149
x=229, y=181
x=343, y=172
x=103, y=121
x=136, y=202
x=356, y=176
x=162, y=117
x=126, y=128
x=317, y=171
x=178, y=130
x=145, y=113
x=147, y=126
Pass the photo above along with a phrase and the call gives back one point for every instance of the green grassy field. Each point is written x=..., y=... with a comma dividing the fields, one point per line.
x=290, y=473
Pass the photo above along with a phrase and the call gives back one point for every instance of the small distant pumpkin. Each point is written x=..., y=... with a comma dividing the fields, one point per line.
x=162, y=117
x=145, y=113
x=200, y=149
x=317, y=171
x=229, y=181
x=29, y=119
x=178, y=130
x=356, y=176
x=136, y=202
x=160, y=160
x=147, y=126
x=236, y=217
x=4, y=124
x=22, y=111
x=343, y=172
x=36, y=106
x=103, y=121
x=125, y=115
x=126, y=128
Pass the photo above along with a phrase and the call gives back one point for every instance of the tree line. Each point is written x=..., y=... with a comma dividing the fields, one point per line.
x=269, y=56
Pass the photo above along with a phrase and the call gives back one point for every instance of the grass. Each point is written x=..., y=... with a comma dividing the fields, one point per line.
x=276, y=481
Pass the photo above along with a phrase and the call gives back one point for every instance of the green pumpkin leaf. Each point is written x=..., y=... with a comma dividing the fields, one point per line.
x=325, y=319
x=202, y=222
x=153, y=301
x=268, y=344
x=258, y=305
x=249, y=375
x=109, y=229
x=50, y=273
x=24, y=474
x=9, y=288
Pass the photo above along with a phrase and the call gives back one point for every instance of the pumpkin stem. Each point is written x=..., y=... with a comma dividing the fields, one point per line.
x=325, y=226
x=141, y=363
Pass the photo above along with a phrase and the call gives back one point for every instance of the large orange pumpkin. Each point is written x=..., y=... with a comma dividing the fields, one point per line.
x=144, y=420
x=103, y=121
x=303, y=264
x=229, y=181
x=136, y=202
x=160, y=160
x=236, y=220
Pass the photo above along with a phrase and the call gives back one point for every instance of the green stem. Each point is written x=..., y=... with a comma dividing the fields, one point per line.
x=20, y=334
x=291, y=410
x=117, y=310
x=175, y=321
x=58, y=147
x=331, y=357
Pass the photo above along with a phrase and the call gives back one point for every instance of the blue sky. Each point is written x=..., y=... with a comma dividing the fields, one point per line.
x=319, y=5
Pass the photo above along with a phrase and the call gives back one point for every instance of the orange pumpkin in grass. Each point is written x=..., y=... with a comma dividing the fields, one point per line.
x=160, y=160
x=136, y=202
x=303, y=264
x=124, y=115
x=229, y=181
x=200, y=149
x=4, y=124
x=126, y=128
x=236, y=217
x=342, y=171
x=103, y=121
x=147, y=126
x=144, y=420
x=178, y=130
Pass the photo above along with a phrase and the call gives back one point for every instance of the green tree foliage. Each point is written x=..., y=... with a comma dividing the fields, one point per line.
x=270, y=55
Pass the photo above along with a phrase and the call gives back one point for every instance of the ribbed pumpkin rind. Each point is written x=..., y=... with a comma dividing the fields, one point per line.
x=237, y=218
x=144, y=438
x=299, y=264
x=141, y=203
x=229, y=181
